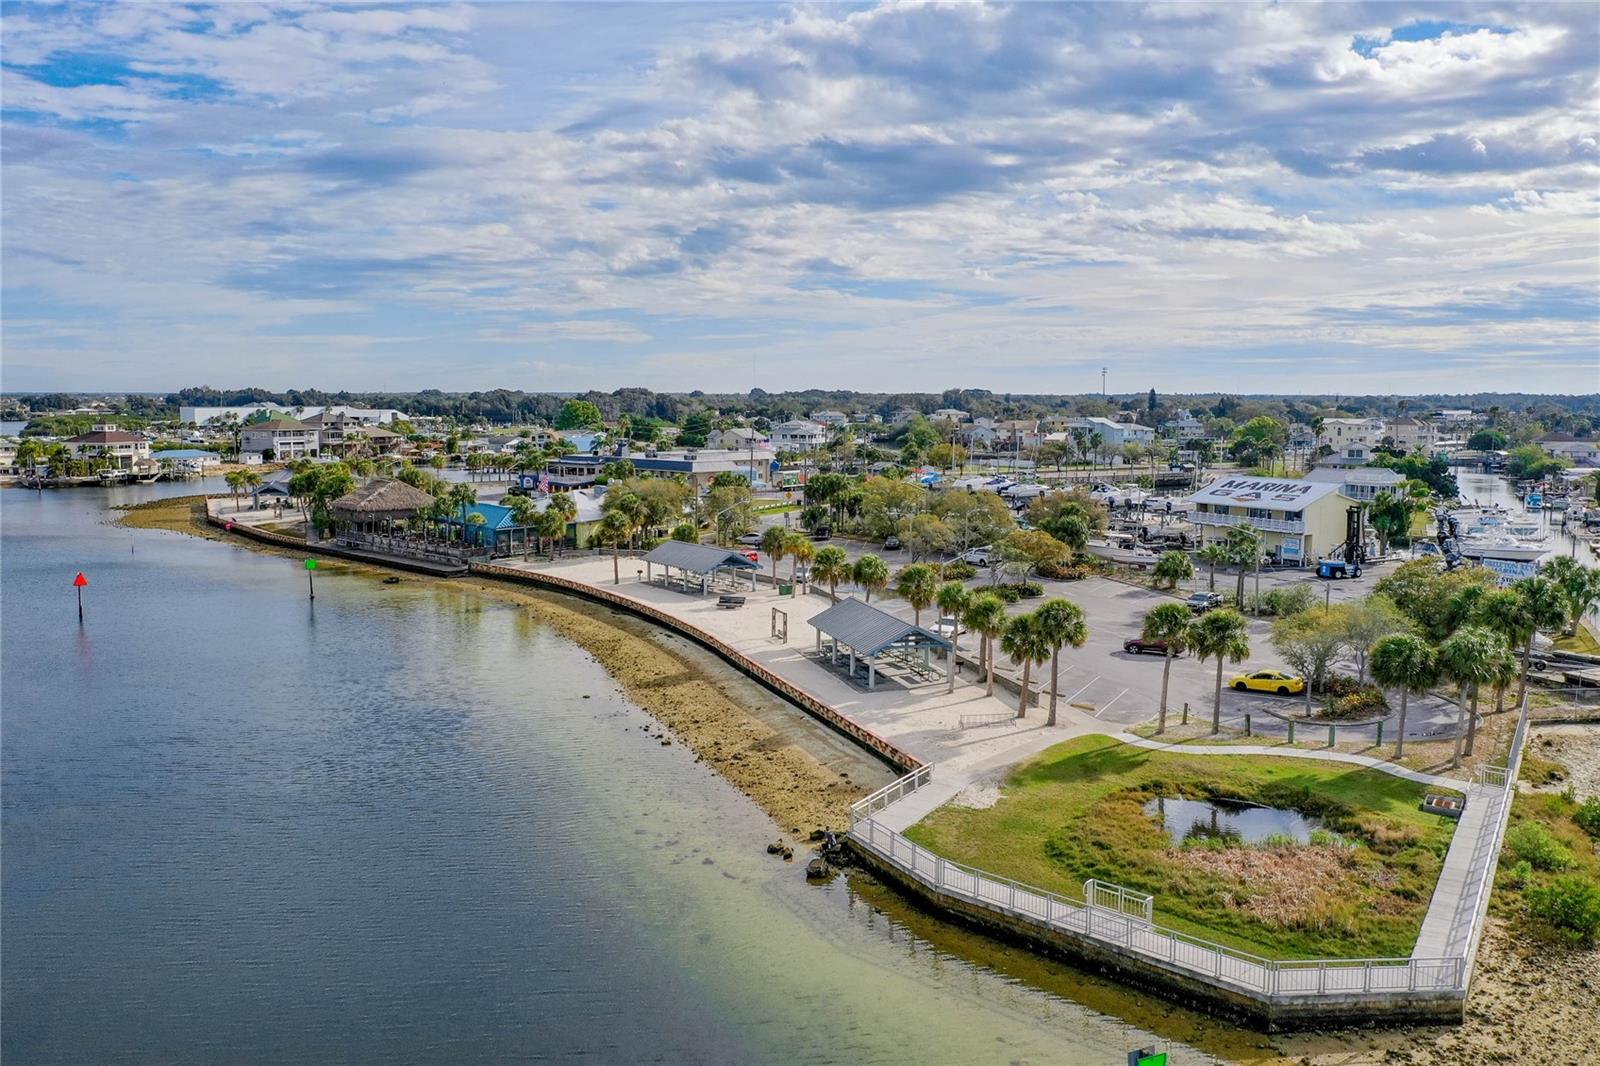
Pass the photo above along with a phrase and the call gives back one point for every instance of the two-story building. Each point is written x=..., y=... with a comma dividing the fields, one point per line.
x=125, y=451
x=1298, y=520
x=830, y=418
x=280, y=438
x=799, y=436
x=1115, y=434
x=1362, y=483
x=697, y=466
x=1412, y=434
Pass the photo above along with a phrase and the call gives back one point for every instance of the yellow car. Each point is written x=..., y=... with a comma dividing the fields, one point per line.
x=1269, y=681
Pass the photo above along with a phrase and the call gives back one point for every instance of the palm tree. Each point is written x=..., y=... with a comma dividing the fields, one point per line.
x=775, y=542
x=1545, y=607
x=832, y=566
x=232, y=480
x=1059, y=622
x=1244, y=552
x=917, y=584
x=1170, y=623
x=616, y=530
x=525, y=514
x=870, y=572
x=801, y=551
x=1223, y=635
x=565, y=510
x=1172, y=569
x=952, y=598
x=1408, y=663
x=1580, y=583
x=1470, y=658
x=1024, y=641
x=985, y=615
x=249, y=481
x=1214, y=552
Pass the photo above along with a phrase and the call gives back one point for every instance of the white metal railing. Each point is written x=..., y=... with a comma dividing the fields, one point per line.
x=1111, y=897
x=1270, y=525
x=1491, y=860
x=973, y=721
x=892, y=792
x=1168, y=948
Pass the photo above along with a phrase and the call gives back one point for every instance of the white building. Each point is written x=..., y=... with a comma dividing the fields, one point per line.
x=830, y=418
x=1358, y=482
x=1114, y=433
x=125, y=450
x=799, y=436
x=371, y=416
x=285, y=438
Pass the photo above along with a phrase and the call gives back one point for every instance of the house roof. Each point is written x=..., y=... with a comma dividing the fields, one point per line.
x=867, y=630
x=696, y=558
x=106, y=436
x=278, y=425
x=1274, y=494
x=383, y=496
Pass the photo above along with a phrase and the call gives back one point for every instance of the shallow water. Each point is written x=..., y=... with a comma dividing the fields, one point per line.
x=412, y=823
x=1240, y=823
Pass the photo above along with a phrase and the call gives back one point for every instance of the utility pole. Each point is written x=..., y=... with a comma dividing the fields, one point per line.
x=1102, y=382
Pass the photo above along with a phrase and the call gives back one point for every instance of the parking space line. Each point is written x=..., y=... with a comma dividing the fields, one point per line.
x=1075, y=695
x=1113, y=699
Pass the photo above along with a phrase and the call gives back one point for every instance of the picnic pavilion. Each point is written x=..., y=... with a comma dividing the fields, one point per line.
x=865, y=634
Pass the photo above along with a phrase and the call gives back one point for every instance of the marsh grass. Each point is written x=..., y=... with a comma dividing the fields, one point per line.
x=1359, y=888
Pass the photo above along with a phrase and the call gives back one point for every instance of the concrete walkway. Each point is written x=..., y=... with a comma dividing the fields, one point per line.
x=1457, y=898
x=1432, y=780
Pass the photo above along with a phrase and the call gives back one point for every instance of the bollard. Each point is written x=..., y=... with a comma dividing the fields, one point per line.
x=1291, y=730
x=1247, y=726
x=1185, y=712
x=1330, y=735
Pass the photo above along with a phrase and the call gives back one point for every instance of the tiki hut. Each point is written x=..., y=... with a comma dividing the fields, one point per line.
x=377, y=505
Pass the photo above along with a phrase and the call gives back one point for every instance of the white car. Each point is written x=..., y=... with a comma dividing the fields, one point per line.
x=976, y=556
x=753, y=539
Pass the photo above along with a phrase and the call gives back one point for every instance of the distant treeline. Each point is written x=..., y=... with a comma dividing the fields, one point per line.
x=510, y=407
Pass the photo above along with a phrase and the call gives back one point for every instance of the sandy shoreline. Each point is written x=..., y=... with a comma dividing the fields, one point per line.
x=791, y=784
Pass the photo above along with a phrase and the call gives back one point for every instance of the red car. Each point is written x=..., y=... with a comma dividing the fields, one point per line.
x=754, y=557
x=1138, y=645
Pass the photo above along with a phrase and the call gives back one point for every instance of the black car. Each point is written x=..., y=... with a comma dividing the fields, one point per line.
x=823, y=533
x=1201, y=602
x=891, y=543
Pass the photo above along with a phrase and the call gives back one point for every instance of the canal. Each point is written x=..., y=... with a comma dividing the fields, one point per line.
x=413, y=823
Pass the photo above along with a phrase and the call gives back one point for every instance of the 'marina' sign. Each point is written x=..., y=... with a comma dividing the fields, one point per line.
x=1245, y=491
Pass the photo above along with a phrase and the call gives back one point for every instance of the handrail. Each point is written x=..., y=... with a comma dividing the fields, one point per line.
x=1165, y=947
x=1508, y=787
x=895, y=790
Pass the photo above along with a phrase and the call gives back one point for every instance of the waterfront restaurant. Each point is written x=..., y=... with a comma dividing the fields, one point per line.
x=1299, y=521
x=374, y=508
x=863, y=633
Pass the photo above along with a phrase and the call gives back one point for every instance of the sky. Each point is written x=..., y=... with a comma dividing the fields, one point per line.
x=904, y=197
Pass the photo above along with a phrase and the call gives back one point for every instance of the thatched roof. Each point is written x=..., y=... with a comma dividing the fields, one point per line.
x=382, y=496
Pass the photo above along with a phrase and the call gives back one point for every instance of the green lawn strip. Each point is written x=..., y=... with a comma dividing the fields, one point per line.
x=1076, y=811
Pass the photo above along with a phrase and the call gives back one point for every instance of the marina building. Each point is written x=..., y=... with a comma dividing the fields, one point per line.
x=1299, y=520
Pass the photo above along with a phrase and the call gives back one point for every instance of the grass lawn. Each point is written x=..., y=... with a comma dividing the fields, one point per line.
x=1075, y=811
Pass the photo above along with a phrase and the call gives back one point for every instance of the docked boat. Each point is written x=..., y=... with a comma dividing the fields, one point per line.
x=1499, y=546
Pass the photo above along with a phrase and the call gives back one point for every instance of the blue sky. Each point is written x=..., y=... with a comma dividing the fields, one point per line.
x=1345, y=197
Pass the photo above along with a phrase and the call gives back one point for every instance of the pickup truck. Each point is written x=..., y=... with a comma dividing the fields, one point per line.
x=1201, y=602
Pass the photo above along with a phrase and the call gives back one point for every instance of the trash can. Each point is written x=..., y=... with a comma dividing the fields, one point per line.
x=785, y=588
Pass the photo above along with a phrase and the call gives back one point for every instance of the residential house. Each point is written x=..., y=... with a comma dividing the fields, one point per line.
x=281, y=438
x=799, y=436
x=1566, y=446
x=1361, y=483
x=830, y=418
x=736, y=438
x=1412, y=434
x=1115, y=434
x=950, y=414
x=697, y=466
x=126, y=451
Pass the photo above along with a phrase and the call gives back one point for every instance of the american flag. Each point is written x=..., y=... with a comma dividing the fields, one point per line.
x=544, y=483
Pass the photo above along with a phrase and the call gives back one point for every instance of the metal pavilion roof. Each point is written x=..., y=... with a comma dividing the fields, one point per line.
x=864, y=628
x=697, y=558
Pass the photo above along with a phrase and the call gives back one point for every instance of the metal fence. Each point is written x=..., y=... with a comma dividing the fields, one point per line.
x=976, y=721
x=1168, y=948
x=894, y=791
x=1116, y=898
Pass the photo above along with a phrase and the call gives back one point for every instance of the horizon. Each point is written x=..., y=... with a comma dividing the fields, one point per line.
x=1342, y=199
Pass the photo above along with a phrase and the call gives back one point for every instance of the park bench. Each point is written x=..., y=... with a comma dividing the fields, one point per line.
x=729, y=603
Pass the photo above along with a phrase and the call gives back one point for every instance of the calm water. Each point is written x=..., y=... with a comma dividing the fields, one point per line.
x=391, y=827
x=1217, y=819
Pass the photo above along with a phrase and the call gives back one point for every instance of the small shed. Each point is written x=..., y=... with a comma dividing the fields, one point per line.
x=865, y=632
x=697, y=564
x=375, y=506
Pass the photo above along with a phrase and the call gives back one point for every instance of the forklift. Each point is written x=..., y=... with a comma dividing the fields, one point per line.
x=1352, y=553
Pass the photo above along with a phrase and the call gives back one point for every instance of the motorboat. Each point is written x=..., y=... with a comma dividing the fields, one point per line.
x=1501, y=546
x=1533, y=501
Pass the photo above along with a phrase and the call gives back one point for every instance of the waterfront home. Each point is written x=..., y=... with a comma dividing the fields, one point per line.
x=830, y=418
x=1298, y=519
x=1114, y=433
x=125, y=451
x=1411, y=434
x=698, y=466
x=1361, y=483
x=280, y=438
x=1566, y=446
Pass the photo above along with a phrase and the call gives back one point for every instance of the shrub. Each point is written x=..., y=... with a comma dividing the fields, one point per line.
x=1571, y=905
x=1007, y=593
x=1361, y=704
x=1588, y=816
x=1532, y=843
x=1062, y=571
x=1283, y=602
x=958, y=571
x=1029, y=589
x=1520, y=875
x=1337, y=685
